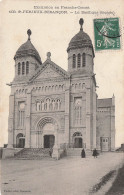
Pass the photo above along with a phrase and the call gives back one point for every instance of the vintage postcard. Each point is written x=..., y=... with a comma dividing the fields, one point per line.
x=62, y=89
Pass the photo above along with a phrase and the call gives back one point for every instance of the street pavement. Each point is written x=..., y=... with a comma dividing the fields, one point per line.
x=68, y=176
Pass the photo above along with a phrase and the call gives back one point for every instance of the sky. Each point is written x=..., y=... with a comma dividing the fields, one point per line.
x=52, y=33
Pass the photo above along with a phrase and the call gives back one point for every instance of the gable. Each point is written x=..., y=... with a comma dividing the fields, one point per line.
x=48, y=72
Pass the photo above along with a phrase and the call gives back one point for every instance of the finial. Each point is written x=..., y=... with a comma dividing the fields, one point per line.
x=81, y=21
x=113, y=100
x=48, y=55
x=29, y=33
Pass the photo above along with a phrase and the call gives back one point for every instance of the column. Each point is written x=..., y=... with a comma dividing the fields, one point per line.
x=37, y=139
x=42, y=137
x=11, y=121
x=67, y=103
x=55, y=153
x=88, y=119
x=112, y=128
x=28, y=121
x=94, y=119
x=56, y=137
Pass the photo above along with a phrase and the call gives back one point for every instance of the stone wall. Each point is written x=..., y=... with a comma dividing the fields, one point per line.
x=105, y=127
x=89, y=59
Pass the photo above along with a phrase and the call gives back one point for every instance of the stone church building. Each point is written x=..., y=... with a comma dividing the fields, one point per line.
x=53, y=108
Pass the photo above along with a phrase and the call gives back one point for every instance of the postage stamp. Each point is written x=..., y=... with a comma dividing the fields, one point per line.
x=107, y=34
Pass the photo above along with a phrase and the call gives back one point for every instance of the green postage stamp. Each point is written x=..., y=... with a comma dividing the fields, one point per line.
x=107, y=33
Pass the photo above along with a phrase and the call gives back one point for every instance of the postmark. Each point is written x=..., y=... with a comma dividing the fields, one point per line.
x=107, y=34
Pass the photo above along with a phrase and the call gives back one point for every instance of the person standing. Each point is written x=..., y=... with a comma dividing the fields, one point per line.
x=95, y=153
x=83, y=155
x=50, y=152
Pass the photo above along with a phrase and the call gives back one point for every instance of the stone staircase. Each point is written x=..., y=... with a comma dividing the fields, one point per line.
x=76, y=152
x=32, y=154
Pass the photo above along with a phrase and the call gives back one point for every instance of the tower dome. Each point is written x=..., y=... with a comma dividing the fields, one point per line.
x=80, y=40
x=27, y=60
x=80, y=52
x=27, y=49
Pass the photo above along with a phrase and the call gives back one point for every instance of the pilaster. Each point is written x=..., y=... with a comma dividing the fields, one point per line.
x=67, y=100
x=112, y=128
x=28, y=121
x=88, y=119
x=55, y=153
x=11, y=121
x=94, y=119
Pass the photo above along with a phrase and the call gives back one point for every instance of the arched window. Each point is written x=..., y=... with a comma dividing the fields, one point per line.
x=53, y=104
x=84, y=59
x=79, y=60
x=78, y=111
x=74, y=61
x=19, y=68
x=21, y=114
x=38, y=106
x=23, y=68
x=27, y=67
x=47, y=104
x=46, y=88
x=42, y=105
x=56, y=87
x=58, y=104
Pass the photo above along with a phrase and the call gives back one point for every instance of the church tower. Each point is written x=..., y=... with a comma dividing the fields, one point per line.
x=52, y=108
x=80, y=52
x=27, y=63
x=83, y=90
x=27, y=60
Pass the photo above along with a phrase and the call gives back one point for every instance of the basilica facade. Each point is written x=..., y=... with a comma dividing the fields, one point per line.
x=50, y=107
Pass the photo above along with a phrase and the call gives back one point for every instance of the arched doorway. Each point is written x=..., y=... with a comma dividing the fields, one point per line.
x=20, y=141
x=78, y=142
x=77, y=139
x=48, y=127
x=49, y=141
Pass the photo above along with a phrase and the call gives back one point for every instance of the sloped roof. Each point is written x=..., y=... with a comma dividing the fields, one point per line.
x=107, y=102
x=80, y=40
x=57, y=68
x=28, y=49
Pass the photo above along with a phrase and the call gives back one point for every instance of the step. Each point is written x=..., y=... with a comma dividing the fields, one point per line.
x=77, y=152
x=32, y=153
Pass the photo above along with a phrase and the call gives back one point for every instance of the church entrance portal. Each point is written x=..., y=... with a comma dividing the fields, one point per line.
x=49, y=141
x=78, y=142
x=20, y=141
